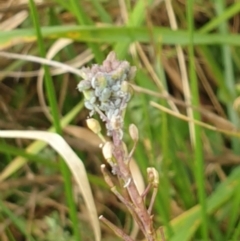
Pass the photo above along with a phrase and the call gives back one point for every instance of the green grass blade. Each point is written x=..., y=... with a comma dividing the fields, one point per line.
x=113, y=34
x=64, y=4
x=83, y=19
x=236, y=234
x=225, y=15
x=102, y=13
x=135, y=19
x=48, y=80
x=165, y=140
x=18, y=221
x=234, y=217
x=228, y=75
x=198, y=150
x=56, y=120
x=8, y=149
x=187, y=223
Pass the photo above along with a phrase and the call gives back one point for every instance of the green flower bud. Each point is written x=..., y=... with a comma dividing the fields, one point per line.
x=153, y=176
x=88, y=94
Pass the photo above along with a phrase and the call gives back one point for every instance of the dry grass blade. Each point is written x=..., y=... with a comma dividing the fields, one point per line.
x=84, y=135
x=185, y=118
x=210, y=117
x=76, y=62
x=14, y=21
x=154, y=76
x=41, y=61
x=183, y=70
x=74, y=163
x=55, y=48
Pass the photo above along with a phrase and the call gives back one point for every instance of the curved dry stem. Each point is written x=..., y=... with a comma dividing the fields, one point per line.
x=74, y=163
x=39, y=60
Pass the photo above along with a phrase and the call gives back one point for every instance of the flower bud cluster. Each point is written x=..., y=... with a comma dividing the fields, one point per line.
x=106, y=91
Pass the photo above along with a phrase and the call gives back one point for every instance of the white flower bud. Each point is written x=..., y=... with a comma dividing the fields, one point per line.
x=93, y=125
x=133, y=131
x=84, y=85
x=107, y=150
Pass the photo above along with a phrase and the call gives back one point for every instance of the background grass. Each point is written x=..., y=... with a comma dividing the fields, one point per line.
x=187, y=55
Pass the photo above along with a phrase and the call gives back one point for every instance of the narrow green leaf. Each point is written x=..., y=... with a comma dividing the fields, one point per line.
x=115, y=34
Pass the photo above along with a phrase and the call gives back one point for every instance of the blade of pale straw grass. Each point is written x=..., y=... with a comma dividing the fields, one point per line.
x=182, y=67
x=37, y=146
x=197, y=122
x=14, y=21
x=53, y=50
x=72, y=161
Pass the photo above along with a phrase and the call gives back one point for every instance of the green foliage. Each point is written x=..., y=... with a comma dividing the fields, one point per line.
x=55, y=230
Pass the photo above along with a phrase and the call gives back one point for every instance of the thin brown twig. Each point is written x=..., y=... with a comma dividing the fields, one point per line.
x=119, y=232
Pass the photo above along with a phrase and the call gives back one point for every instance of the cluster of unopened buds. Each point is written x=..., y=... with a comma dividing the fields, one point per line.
x=106, y=92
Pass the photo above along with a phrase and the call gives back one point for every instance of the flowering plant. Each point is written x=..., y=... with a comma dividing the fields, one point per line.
x=107, y=92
